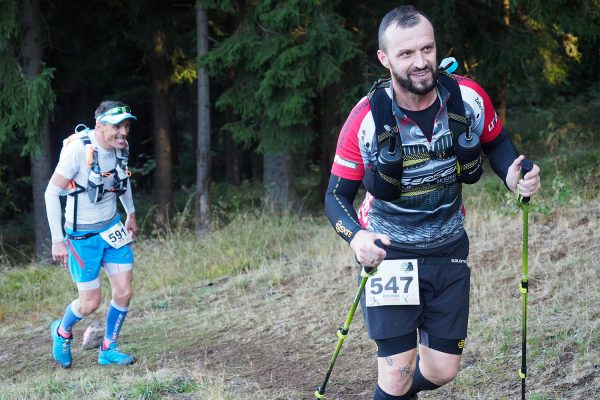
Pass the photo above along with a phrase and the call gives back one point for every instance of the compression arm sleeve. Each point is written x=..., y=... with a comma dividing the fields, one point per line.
x=54, y=211
x=338, y=206
x=501, y=152
x=127, y=200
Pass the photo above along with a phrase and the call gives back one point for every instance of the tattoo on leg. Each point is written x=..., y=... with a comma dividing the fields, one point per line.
x=389, y=361
x=405, y=372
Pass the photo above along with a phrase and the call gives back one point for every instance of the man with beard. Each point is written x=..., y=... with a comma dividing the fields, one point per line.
x=404, y=140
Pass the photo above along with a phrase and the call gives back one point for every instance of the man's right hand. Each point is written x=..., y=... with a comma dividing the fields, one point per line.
x=60, y=253
x=366, y=251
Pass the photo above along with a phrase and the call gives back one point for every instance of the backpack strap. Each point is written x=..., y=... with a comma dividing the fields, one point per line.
x=457, y=118
x=381, y=108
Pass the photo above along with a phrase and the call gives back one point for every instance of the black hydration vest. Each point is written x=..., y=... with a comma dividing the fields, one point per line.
x=383, y=180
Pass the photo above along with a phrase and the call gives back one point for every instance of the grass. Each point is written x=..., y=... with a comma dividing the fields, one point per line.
x=251, y=310
x=262, y=326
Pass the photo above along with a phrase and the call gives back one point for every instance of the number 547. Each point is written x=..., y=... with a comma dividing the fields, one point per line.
x=377, y=285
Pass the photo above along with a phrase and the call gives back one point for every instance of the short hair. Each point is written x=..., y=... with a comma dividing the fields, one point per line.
x=107, y=105
x=403, y=16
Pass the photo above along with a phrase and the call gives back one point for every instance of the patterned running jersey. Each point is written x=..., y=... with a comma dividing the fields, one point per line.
x=429, y=210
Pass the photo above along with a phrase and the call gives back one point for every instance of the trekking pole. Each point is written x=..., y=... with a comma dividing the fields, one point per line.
x=523, y=204
x=343, y=331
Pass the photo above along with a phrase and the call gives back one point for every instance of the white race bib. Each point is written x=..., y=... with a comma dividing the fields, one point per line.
x=396, y=283
x=117, y=236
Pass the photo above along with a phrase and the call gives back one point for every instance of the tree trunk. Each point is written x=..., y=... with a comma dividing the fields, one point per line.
x=233, y=172
x=202, y=198
x=161, y=129
x=278, y=182
x=31, y=51
x=329, y=130
x=501, y=98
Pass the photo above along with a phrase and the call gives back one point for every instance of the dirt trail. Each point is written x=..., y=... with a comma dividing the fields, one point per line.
x=274, y=341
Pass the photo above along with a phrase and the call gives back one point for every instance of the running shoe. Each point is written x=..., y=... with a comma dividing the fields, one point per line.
x=112, y=356
x=61, y=347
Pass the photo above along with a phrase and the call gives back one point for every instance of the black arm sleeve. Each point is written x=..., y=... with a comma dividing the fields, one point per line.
x=338, y=206
x=501, y=152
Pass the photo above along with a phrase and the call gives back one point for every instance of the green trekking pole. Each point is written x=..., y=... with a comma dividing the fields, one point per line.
x=523, y=204
x=343, y=331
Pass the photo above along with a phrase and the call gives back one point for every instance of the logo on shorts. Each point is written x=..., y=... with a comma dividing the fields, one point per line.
x=461, y=344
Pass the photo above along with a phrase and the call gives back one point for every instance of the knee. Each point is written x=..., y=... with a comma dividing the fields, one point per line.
x=122, y=296
x=442, y=376
x=396, y=381
x=88, y=306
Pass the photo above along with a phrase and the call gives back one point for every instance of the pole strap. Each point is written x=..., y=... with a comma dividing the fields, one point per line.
x=524, y=287
x=523, y=373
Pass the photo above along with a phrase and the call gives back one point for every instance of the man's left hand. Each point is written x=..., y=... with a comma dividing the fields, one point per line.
x=529, y=184
x=131, y=225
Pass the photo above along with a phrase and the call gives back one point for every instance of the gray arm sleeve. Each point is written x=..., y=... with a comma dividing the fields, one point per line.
x=127, y=200
x=54, y=211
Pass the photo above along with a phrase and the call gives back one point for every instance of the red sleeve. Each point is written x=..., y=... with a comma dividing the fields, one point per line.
x=492, y=126
x=348, y=161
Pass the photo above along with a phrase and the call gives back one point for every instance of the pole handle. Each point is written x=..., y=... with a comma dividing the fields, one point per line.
x=526, y=166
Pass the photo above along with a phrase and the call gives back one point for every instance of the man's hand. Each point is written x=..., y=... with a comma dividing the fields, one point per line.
x=60, y=253
x=366, y=251
x=131, y=225
x=529, y=184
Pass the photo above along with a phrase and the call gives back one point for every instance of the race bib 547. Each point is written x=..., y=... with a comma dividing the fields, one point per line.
x=396, y=283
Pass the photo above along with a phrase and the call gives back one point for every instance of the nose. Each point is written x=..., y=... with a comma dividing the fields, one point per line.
x=419, y=61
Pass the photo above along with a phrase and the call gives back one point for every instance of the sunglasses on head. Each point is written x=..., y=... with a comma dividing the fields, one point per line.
x=117, y=111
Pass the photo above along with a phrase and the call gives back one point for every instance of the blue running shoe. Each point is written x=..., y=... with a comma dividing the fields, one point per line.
x=61, y=347
x=112, y=356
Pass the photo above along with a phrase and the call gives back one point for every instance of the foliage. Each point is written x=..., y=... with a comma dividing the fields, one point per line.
x=278, y=69
x=279, y=58
x=540, y=48
x=24, y=100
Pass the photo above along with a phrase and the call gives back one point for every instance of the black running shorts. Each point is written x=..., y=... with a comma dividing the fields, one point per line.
x=444, y=280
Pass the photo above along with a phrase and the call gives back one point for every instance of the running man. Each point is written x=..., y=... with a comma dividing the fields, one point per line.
x=413, y=141
x=92, y=172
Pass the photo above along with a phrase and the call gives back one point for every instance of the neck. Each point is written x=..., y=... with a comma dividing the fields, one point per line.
x=411, y=101
x=101, y=141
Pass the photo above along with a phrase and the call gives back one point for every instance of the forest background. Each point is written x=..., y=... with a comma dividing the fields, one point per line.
x=239, y=103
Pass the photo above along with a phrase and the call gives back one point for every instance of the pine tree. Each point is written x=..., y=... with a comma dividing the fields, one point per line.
x=283, y=55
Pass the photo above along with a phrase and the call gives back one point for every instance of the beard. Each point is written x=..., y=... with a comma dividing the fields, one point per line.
x=419, y=88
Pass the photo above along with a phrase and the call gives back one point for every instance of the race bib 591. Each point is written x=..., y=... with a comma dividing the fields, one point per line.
x=117, y=235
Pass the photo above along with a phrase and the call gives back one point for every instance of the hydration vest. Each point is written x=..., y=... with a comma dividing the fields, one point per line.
x=95, y=188
x=383, y=179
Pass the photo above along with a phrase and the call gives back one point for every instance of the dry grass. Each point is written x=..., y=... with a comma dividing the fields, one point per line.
x=266, y=328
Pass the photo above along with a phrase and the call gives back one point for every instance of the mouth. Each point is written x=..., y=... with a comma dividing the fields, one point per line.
x=120, y=140
x=421, y=74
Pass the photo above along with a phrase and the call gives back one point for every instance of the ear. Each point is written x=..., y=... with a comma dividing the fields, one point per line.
x=383, y=58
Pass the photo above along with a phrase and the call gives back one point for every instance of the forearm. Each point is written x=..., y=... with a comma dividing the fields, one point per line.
x=127, y=200
x=54, y=211
x=338, y=206
x=501, y=153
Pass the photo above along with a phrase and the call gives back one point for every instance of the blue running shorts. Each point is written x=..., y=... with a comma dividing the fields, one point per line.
x=88, y=254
